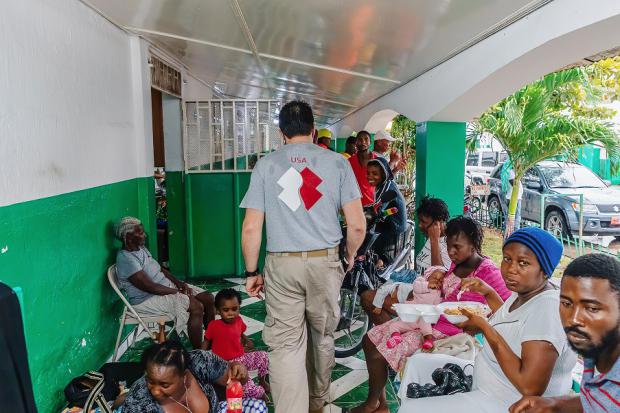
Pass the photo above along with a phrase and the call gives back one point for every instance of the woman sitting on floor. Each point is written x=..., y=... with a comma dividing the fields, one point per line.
x=525, y=351
x=177, y=381
x=153, y=290
x=464, y=237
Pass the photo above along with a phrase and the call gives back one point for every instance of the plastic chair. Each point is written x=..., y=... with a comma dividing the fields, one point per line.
x=131, y=317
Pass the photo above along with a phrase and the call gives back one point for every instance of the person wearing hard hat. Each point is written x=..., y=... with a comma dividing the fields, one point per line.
x=324, y=139
x=383, y=144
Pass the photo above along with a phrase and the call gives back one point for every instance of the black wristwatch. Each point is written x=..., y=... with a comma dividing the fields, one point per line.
x=249, y=274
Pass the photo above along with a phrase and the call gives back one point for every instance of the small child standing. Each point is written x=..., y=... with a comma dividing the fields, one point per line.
x=422, y=294
x=226, y=338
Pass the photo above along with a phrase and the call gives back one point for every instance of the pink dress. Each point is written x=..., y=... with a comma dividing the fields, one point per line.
x=487, y=271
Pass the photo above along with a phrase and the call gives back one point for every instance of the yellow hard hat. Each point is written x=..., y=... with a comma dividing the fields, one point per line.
x=324, y=133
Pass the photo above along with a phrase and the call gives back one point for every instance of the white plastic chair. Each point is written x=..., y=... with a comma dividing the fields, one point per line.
x=131, y=317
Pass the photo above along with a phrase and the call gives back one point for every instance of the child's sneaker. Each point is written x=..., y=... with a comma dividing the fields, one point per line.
x=393, y=341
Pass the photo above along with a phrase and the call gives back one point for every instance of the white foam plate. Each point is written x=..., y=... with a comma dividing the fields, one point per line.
x=455, y=319
x=413, y=312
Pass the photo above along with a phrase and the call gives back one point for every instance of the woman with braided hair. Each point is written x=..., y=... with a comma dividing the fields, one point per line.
x=464, y=238
x=178, y=381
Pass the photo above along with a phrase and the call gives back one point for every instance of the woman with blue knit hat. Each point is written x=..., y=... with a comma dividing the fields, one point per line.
x=525, y=350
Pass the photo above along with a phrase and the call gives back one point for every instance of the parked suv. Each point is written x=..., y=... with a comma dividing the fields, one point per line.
x=482, y=162
x=601, y=209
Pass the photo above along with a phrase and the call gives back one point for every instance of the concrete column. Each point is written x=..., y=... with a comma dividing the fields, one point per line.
x=440, y=165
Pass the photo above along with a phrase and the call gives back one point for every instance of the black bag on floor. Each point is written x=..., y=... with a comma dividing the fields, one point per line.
x=101, y=386
x=450, y=379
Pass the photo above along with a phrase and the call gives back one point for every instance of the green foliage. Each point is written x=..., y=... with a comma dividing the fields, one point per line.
x=403, y=130
x=535, y=123
x=555, y=115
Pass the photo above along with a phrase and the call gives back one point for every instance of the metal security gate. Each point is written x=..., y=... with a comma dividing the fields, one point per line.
x=229, y=135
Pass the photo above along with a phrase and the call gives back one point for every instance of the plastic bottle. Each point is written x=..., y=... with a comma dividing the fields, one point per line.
x=234, y=396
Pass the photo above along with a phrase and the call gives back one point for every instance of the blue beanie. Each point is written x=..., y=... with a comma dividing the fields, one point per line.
x=545, y=246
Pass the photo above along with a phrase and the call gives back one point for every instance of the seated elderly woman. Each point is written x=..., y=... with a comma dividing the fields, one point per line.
x=152, y=289
x=177, y=381
x=525, y=351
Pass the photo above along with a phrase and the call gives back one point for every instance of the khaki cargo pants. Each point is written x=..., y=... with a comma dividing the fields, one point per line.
x=301, y=296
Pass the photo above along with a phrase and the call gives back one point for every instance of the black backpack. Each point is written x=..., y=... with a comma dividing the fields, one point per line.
x=90, y=388
x=101, y=386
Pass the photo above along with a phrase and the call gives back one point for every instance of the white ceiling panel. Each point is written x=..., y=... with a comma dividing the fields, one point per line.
x=337, y=54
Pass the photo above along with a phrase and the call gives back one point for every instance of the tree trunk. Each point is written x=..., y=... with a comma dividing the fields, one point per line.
x=512, y=208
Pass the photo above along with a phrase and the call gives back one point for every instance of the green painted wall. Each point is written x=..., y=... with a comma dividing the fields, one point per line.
x=214, y=224
x=177, y=223
x=440, y=160
x=590, y=156
x=340, y=144
x=59, y=249
x=211, y=224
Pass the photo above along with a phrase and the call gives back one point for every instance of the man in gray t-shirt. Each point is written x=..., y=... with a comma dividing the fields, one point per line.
x=299, y=190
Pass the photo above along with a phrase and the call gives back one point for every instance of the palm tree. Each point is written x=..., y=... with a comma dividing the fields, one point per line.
x=533, y=124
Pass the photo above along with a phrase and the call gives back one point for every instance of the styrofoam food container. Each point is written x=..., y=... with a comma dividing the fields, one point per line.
x=455, y=319
x=413, y=312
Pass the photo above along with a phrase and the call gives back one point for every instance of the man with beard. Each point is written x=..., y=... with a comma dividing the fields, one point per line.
x=590, y=313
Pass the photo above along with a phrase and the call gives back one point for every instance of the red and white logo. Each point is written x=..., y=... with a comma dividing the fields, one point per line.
x=298, y=187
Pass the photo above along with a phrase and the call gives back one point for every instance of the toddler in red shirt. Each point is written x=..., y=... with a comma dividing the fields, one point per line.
x=225, y=337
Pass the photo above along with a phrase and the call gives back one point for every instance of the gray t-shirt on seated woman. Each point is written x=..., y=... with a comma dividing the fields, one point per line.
x=130, y=262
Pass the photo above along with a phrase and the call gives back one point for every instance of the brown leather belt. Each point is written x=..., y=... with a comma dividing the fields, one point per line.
x=312, y=254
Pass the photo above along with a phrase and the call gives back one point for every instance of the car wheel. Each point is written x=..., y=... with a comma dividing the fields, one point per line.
x=556, y=224
x=496, y=216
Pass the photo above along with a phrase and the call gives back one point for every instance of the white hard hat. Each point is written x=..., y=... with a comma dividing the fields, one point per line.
x=383, y=135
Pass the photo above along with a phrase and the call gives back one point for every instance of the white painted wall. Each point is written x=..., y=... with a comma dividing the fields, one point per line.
x=173, y=132
x=74, y=101
x=560, y=33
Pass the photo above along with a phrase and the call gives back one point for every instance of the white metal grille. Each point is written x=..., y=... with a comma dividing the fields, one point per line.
x=229, y=135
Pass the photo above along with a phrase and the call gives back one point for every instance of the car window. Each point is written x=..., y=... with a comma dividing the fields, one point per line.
x=572, y=177
x=472, y=159
x=488, y=159
x=497, y=172
x=531, y=175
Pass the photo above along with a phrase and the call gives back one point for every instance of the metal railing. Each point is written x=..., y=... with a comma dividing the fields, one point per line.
x=574, y=245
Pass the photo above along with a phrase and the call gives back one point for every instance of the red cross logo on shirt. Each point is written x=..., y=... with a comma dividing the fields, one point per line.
x=299, y=187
